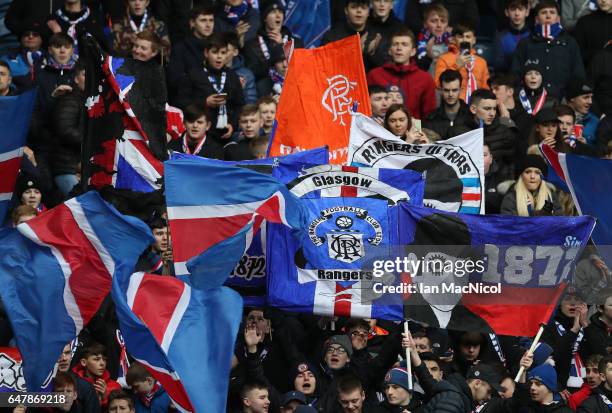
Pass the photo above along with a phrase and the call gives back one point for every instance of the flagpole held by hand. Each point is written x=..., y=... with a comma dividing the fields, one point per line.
x=536, y=340
x=408, y=359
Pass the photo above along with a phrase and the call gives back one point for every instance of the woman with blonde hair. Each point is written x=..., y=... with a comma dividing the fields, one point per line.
x=531, y=194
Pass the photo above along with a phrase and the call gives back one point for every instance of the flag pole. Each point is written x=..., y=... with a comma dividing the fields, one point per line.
x=408, y=360
x=536, y=340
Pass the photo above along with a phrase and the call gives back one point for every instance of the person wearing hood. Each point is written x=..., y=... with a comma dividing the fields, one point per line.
x=416, y=84
x=531, y=196
x=273, y=33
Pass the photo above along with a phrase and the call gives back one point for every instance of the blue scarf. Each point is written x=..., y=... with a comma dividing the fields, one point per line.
x=234, y=13
x=54, y=64
x=277, y=80
x=548, y=31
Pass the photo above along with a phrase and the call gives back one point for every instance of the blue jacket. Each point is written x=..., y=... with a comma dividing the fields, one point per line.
x=589, y=123
x=243, y=72
x=507, y=41
x=159, y=404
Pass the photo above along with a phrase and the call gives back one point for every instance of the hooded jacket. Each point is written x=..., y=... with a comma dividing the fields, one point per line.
x=416, y=84
x=452, y=395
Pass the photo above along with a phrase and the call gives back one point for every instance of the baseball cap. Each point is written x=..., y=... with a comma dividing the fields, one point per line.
x=485, y=373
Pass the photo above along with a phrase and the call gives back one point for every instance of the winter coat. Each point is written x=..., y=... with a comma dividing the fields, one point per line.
x=238, y=149
x=595, y=403
x=68, y=131
x=111, y=384
x=458, y=11
x=159, y=404
x=342, y=30
x=508, y=205
x=592, y=33
x=416, y=84
x=212, y=148
x=493, y=198
x=254, y=57
x=439, y=122
x=92, y=25
x=572, y=11
x=222, y=24
x=601, y=75
x=21, y=72
x=507, y=41
x=21, y=13
x=589, y=123
x=450, y=396
x=597, y=337
x=86, y=395
x=176, y=15
x=448, y=61
x=501, y=137
x=186, y=55
x=386, y=29
x=195, y=87
x=560, y=60
x=562, y=346
x=244, y=73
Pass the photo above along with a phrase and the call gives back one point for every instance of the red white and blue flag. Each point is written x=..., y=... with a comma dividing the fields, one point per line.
x=588, y=181
x=127, y=123
x=56, y=269
x=15, y=113
x=209, y=202
x=11, y=379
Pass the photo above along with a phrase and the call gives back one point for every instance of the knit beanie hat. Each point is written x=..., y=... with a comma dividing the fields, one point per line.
x=301, y=368
x=533, y=161
x=398, y=376
x=545, y=374
x=342, y=341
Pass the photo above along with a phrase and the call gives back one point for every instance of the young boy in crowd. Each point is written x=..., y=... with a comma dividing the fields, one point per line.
x=417, y=85
x=255, y=397
x=250, y=125
x=187, y=54
x=259, y=147
x=433, y=39
x=120, y=402
x=463, y=58
x=533, y=96
x=216, y=86
x=552, y=48
x=579, y=96
x=517, y=12
x=600, y=400
x=65, y=383
x=195, y=140
x=150, y=395
x=267, y=108
x=379, y=101
x=92, y=368
x=235, y=61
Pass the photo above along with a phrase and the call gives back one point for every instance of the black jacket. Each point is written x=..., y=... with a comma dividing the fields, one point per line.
x=597, y=338
x=21, y=13
x=560, y=60
x=238, y=149
x=595, y=403
x=493, y=198
x=92, y=25
x=601, y=75
x=254, y=57
x=341, y=31
x=69, y=128
x=502, y=141
x=592, y=32
x=212, y=148
x=439, y=122
x=222, y=24
x=450, y=396
x=195, y=87
x=86, y=395
x=186, y=55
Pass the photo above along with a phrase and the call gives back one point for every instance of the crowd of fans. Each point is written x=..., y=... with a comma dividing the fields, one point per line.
x=545, y=78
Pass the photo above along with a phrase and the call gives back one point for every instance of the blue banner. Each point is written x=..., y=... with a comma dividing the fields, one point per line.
x=309, y=19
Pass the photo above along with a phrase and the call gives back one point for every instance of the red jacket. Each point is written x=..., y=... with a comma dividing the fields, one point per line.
x=416, y=84
x=110, y=383
x=578, y=397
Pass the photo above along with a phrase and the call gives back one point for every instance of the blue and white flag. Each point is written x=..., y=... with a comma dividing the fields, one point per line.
x=454, y=167
x=309, y=19
x=324, y=273
x=55, y=271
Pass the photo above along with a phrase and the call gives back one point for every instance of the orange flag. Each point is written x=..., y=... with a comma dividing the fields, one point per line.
x=320, y=90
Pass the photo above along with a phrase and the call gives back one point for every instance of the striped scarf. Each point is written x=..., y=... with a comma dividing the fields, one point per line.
x=233, y=14
x=577, y=369
x=472, y=85
x=424, y=37
x=548, y=31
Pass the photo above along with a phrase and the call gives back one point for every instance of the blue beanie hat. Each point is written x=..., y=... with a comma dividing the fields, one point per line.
x=541, y=353
x=397, y=376
x=545, y=374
